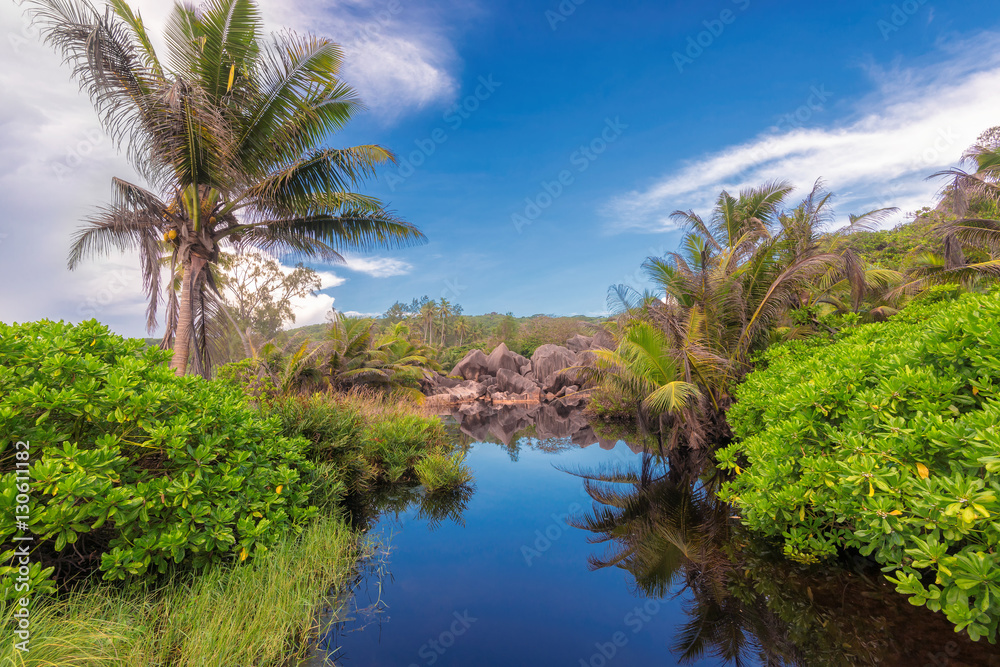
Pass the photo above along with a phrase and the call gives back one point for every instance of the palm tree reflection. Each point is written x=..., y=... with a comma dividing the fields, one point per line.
x=746, y=604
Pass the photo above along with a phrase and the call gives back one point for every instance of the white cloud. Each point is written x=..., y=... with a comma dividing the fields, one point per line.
x=923, y=120
x=397, y=54
x=377, y=267
x=354, y=313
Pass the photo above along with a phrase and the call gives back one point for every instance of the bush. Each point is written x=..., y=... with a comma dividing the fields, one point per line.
x=440, y=471
x=358, y=438
x=888, y=442
x=140, y=468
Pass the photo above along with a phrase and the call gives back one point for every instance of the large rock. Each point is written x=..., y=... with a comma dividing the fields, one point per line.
x=503, y=398
x=512, y=383
x=586, y=377
x=549, y=363
x=444, y=382
x=502, y=357
x=579, y=343
x=602, y=340
x=467, y=391
x=473, y=366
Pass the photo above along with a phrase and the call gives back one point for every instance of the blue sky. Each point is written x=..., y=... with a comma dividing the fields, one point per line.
x=871, y=96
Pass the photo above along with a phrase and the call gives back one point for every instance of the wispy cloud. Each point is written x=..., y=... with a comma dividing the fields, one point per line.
x=378, y=267
x=916, y=123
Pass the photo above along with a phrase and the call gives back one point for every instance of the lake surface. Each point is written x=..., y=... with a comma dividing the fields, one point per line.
x=529, y=569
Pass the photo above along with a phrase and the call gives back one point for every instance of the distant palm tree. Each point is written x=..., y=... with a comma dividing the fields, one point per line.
x=462, y=329
x=357, y=356
x=428, y=315
x=444, y=312
x=228, y=131
x=737, y=272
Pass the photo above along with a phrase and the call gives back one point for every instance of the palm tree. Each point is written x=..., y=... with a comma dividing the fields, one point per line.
x=228, y=132
x=659, y=378
x=670, y=533
x=973, y=198
x=737, y=272
x=428, y=314
x=444, y=312
x=462, y=329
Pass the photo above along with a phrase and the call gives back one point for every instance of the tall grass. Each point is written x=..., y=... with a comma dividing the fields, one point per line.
x=261, y=614
x=358, y=438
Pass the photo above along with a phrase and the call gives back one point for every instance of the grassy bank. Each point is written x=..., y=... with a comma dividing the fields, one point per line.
x=262, y=613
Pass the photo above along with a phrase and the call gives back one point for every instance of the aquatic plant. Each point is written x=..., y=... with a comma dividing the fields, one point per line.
x=261, y=613
x=439, y=471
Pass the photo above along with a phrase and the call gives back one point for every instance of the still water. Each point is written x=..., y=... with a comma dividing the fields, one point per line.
x=539, y=565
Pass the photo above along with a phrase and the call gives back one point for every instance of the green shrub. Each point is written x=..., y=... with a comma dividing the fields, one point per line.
x=438, y=471
x=887, y=441
x=148, y=469
x=358, y=438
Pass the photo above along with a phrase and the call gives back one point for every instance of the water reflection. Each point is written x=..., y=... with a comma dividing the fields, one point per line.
x=747, y=605
x=362, y=607
x=396, y=500
x=721, y=596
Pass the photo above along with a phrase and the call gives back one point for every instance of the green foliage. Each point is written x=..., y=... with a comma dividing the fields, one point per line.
x=894, y=248
x=145, y=468
x=439, y=471
x=453, y=355
x=886, y=441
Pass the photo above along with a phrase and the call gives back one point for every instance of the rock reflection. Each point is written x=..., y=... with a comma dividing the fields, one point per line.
x=542, y=425
x=747, y=604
